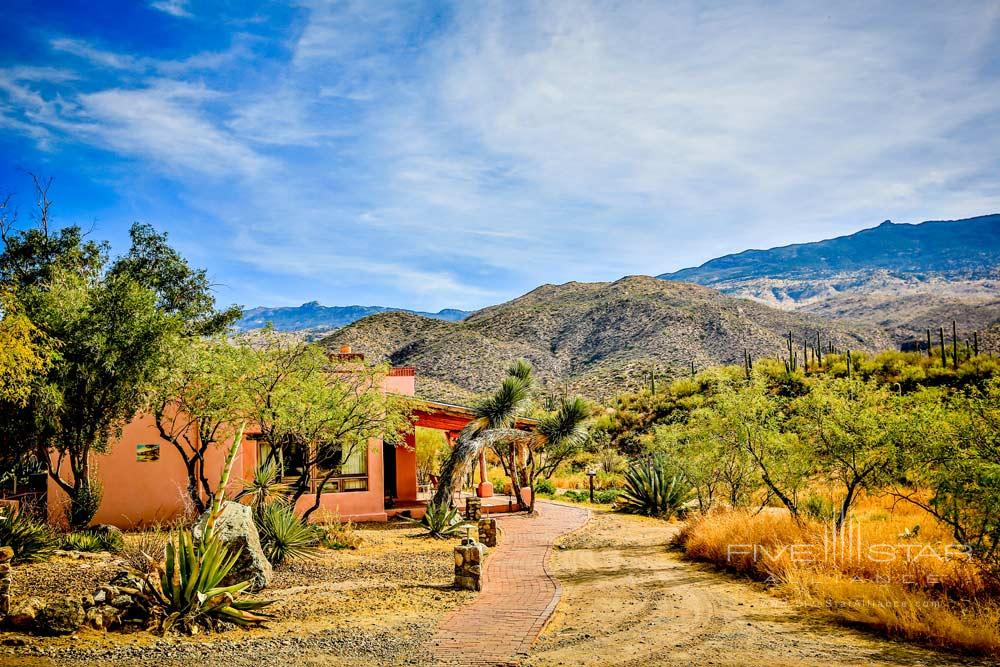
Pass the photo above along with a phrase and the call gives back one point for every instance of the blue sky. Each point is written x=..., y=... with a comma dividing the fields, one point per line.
x=432, y=155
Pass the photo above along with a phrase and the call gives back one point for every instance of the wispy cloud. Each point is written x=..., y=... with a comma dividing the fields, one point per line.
x=178, y=8
x=431, y=155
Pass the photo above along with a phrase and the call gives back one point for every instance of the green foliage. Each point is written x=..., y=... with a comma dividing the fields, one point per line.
x=337, y=534
x=283, y=535
x=432, y=447
x=545, y=487
x=81, y=541
x=82, y=508
x=264, y=488
x=440, y=521
x=31, y=540
x=957, y=455
x=191, y=590
x=651, y=489
x=819, y=508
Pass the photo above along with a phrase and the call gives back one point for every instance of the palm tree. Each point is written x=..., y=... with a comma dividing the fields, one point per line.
x=494, y=425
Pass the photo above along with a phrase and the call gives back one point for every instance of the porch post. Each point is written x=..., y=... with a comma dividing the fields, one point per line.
x=485, y=489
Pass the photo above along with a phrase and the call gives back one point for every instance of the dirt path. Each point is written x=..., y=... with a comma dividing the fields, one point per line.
x=627, y=600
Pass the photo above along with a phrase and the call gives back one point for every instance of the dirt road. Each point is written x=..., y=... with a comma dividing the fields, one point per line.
x=628, y=600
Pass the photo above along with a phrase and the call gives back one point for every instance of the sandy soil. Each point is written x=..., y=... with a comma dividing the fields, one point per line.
x=628, y=600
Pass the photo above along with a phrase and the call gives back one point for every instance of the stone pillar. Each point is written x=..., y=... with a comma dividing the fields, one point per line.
x=469, y=565
x=473, y=509
x=489, y=532
x=6, y=579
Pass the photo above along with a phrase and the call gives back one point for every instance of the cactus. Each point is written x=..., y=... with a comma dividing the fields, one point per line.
x=819, y=351
x=930, y=348
x=944, y=355
x=849, y=364
x=954, y=345
x=975, y=343
x=791, y=364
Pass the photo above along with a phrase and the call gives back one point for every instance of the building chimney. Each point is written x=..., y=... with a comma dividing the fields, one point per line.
x=345, y=349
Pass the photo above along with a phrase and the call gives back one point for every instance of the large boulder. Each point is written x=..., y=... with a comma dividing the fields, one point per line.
x=60, y=617
x=23, y=614
x=236, y=528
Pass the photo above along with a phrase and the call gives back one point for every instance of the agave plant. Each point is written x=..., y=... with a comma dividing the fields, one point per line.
x=283, y=535
x=440, y=521
x=31, y=540
x=651, y=490
x=190, y=590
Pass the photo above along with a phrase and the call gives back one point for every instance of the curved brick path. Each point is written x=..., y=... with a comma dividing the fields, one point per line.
x=518, y=596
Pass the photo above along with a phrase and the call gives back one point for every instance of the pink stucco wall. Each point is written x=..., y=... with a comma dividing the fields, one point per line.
x=143, y=493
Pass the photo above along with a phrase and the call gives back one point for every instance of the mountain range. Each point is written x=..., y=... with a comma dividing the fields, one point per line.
x=592, y=338
x=904, y=278
x=878, y=288
x=313, y=319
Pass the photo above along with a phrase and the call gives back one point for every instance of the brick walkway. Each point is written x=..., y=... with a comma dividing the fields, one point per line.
x=518, y=596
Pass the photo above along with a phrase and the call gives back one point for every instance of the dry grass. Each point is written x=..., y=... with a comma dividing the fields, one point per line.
x=874, y=572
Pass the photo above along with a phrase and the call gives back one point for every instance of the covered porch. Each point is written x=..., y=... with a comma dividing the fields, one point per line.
x=404, y=495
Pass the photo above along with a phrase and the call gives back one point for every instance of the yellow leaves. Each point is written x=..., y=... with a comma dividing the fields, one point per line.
x=21, y=356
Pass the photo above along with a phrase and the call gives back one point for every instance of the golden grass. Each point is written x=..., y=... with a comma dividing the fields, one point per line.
x=874, y=572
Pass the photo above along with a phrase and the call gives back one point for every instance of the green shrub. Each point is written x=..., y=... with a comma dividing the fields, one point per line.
x=31, y=540
x=440, y=521
x=577, y=496
x=92, y=541
x=651, y=490
x=81, y=541
x=545, y=486
x=283, y=535
x=84, y=506
x=499, y=484
x=820, y=508
x=607, y=496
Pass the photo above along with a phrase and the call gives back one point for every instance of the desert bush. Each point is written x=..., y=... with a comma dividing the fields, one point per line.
x=30, y=539
x=652, y=490
x=283, y=535
x=145, y=550
x=336, y=534
x=545, y=486
x=819, y=508
x=440, y=521
x=82, y=541
x=85, y=504
x=607, y=496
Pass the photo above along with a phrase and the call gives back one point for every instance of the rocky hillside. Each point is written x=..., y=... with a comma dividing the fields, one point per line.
x=902, y=277
x=592, y=338
x=312, y=318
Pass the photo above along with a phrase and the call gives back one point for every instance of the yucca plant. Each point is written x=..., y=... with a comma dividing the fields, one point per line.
x=190, y=590
x=440, y=521
x=283, y=535
x=31, y=540
x=264, y=488
x=650, y=489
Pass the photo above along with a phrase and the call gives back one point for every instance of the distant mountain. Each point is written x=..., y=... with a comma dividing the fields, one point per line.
x=595, y=338
x=902, y=277
x=313, y=318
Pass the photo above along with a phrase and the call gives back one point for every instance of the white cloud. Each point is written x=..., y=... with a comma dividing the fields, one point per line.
x=178, y=8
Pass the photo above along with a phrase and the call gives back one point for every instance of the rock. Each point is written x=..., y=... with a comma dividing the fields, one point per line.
x=23, y=615
x=468, y=565
x=60, y=617
x=236, y=529
x=121, y=602
x=94, y=618
x=128, y=583
x=6, y=554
